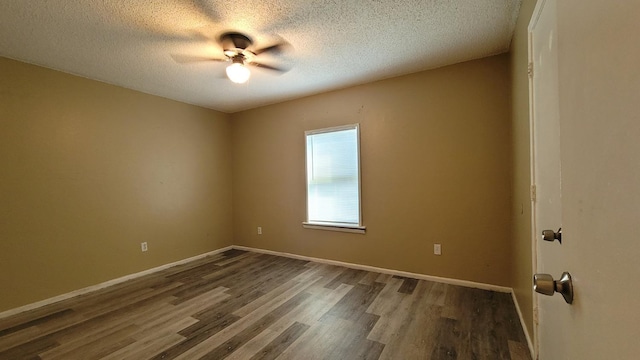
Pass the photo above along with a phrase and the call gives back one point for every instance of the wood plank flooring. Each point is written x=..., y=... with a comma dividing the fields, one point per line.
x=245, y=305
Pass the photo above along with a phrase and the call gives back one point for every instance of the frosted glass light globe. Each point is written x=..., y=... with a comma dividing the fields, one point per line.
x=238, y=73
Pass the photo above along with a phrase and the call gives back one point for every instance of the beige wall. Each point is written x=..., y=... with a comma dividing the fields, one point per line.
x=90, y=170
x=436, y=168
x=521, y=205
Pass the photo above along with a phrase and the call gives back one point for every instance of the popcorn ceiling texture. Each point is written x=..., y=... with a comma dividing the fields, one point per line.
x=335, y=43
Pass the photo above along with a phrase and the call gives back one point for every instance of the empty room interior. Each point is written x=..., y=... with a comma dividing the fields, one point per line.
x=152, y=208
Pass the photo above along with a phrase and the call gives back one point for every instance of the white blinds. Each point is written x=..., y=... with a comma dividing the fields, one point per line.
x=333, y=184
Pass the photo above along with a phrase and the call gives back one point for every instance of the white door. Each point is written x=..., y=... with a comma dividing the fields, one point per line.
x=595, y=101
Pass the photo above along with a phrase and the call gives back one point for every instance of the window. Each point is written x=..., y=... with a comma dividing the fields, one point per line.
x=333, y=179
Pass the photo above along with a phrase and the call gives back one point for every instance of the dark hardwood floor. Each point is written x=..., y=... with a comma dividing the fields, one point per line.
x=245, y=305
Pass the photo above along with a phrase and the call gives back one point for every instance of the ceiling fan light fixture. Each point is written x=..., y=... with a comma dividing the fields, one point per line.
x=238, y=73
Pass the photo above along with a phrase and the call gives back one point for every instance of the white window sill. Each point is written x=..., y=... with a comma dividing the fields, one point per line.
x=335, y=227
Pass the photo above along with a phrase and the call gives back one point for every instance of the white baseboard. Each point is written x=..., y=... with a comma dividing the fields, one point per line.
x=105, y=284
x=465, y=283
x=523, y=324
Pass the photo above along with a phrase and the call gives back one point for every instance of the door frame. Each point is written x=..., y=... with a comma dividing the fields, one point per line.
x=533, y=171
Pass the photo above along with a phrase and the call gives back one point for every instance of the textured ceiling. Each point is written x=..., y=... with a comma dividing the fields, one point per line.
x=334, y=44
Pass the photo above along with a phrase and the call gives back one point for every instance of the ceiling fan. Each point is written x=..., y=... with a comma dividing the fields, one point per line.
x=237, y=50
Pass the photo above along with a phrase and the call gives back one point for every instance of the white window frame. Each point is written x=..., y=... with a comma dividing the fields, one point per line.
x=344, y=227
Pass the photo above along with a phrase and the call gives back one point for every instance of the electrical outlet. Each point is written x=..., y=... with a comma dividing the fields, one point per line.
x=143, y=246
x=437, y=249
x=259, y=230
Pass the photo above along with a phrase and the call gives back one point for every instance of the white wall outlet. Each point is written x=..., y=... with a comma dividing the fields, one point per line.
x=259, y=230
x=437, y=249
x=143, y=246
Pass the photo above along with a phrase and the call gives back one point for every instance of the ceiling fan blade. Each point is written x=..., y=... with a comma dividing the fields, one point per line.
x=269, y=67
x=206, y=9
x=185, y=59
x=275, y=48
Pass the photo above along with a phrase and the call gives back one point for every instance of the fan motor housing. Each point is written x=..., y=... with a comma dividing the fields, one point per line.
x=234, y=40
